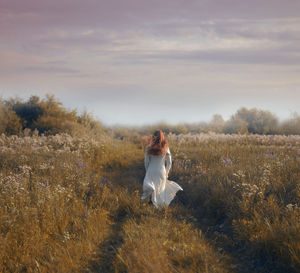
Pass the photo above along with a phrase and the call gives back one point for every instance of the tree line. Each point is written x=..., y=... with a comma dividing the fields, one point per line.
x=49, y=116
x=244, y=121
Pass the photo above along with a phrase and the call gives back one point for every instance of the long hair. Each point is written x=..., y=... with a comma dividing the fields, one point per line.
x=158, y=144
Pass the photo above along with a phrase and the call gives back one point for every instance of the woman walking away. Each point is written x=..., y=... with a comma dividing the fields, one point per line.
x=158, y=163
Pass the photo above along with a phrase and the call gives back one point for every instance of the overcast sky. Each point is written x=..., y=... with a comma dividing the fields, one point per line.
x=138, y=61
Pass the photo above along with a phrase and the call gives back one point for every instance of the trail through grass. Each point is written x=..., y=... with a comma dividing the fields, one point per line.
x=234, y=257
x=73, y=205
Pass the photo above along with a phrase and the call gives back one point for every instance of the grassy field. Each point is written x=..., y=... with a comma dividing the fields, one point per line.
x=72, y=204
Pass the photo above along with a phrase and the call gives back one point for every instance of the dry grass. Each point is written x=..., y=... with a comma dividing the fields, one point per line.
x=64, y=199
x=160, y=243
x=250, y=183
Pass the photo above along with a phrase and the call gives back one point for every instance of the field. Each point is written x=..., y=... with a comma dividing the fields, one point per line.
x=72, y=204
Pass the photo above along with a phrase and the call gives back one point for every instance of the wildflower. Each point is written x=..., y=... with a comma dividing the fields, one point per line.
x=82, y=164
x=239, y=174
x=44, y=166
x=200, y=170
x=227, y=161
x=87, y=213
x=25, y=170
x=270, y=154
x=104, y=180
x=66, y=236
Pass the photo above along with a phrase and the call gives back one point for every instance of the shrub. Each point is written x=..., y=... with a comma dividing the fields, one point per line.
x=9, y=121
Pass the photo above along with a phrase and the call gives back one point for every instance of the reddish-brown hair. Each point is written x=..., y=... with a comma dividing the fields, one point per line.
x=158, y=144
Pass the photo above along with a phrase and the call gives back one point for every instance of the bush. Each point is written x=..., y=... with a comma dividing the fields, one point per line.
x=10, y=123
x=47, y=116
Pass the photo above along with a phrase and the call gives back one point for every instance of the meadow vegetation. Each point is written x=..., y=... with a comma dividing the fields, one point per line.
x=49, y=116
x=70, y=197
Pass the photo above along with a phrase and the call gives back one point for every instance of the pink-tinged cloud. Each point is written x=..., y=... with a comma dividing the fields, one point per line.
x=199, y=56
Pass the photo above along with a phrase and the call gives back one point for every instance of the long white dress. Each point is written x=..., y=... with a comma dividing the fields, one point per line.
x=156, y=181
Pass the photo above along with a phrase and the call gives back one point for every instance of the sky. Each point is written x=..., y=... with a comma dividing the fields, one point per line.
x=135, y=62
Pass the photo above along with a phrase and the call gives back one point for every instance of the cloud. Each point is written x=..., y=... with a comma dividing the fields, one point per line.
x=202, y=54
x=55, y=27
x=245, y=56
x=50, y=69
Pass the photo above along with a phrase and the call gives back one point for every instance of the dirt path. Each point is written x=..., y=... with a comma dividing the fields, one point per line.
x=240, y=254
x=107, y=251
x=220, y=235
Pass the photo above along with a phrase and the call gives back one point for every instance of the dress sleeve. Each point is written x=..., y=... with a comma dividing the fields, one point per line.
x=168, y=161
x=146, y=160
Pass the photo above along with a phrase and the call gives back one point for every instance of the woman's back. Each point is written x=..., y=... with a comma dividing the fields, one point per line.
x=156, y=183
x=156, y=170
x=158, y=163
x=157, y=159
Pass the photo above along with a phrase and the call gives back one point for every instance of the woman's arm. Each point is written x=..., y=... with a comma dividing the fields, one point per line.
x=168, y=161
x=146, y=160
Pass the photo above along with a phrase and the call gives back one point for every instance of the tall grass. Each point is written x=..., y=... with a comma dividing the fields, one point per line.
x=160, y=243
x=71, y=204
x=251, y=183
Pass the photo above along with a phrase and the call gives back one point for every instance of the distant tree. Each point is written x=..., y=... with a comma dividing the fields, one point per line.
x=179, y=129
x=55, y=118
x=197, y=127
x=28, y=111
x=292, y=125
x=256, y=121
x=10, y=123
x=166, y=128
x=47, y=116
x=217, y=124
x=88, y=122
x=236, y=125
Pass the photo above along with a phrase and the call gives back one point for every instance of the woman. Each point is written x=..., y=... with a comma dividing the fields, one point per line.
x=158, y=163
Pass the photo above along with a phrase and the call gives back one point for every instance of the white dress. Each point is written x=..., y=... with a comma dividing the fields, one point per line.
x=156, y=181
